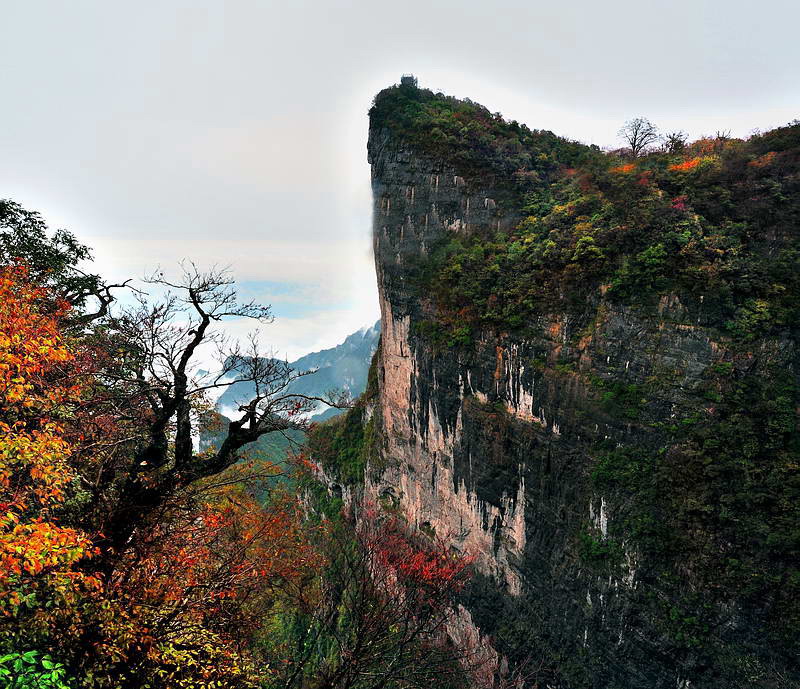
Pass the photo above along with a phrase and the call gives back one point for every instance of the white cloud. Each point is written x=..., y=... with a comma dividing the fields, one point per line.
x=289, y=261
x=215, y=132
x=335, y=281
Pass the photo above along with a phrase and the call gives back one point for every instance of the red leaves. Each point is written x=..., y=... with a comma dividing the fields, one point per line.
x=304, y=464
x=297, y=408
x=422, y=567
x=679, y=202
x=211, y=560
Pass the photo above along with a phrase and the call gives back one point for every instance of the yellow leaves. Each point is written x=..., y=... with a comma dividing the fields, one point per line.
x=38, y=556
x=37, y=461
x=30, y=341
x=566, y=208
x=194, y=658
x=584, y=228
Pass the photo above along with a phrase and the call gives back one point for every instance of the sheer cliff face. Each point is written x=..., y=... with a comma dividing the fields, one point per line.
x=493, y=449
x=422, y=396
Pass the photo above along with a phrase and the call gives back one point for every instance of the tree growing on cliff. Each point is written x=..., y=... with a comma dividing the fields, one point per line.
x=381, y=617
x=638, y=133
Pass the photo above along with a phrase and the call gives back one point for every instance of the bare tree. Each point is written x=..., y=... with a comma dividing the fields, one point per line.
x=156, y=386
x=639, y=133
x=675, y=142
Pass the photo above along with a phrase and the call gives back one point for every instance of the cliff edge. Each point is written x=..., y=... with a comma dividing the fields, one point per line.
x=588, y=378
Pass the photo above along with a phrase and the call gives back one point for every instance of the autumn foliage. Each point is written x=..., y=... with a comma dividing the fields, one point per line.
x=41, y=560
x=179, y=607
x=203, y=580
x=686, y=165
x=383, y=615
x=220, y=583
x=624, y=169
x=422, y=568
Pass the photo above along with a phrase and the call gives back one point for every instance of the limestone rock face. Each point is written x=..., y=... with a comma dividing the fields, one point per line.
x=493, y=449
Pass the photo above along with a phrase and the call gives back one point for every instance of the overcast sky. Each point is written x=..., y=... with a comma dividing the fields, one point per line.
x=235, y=132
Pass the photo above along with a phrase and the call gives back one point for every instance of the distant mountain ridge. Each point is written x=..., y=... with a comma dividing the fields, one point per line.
x=343, y=367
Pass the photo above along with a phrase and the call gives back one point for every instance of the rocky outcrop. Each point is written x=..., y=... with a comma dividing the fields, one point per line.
x=493, y=448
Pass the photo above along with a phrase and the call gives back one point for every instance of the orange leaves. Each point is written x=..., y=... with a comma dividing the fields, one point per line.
x=686, y=165
x=33, y=465
x=707, y=145
x=37, y=555
x=623, y=169
x=306, y=464
x=33, y=453
x=38, y=546
x=31, y=344
x=764, y=160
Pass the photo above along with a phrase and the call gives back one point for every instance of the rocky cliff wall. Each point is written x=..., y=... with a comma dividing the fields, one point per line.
x=493, y=448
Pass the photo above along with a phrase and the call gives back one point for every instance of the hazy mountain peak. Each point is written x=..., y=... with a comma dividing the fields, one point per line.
x=343, y=367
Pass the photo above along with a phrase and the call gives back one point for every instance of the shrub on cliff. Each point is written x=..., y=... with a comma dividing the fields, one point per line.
x=467, y=135
x=718, y=227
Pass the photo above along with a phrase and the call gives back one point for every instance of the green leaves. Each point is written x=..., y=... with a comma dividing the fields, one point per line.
x=51, y=257
x=719, y=236
x=32, y=670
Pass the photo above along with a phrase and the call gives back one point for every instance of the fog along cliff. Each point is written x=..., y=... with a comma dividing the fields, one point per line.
x=576, y=442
